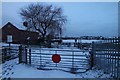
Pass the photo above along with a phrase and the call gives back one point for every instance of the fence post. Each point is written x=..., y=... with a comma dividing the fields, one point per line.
x=92, y=56
x=73, y=62
x=1, y=53
x=40, y=59
x=118, y=58
x=112, y=60
x=4, y=54
x=20, y=54
x=115, y=52
x=25, y=54
x=30, y=56
x=5, y=51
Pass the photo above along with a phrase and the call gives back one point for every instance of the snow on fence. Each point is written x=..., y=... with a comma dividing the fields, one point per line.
x=74, y=61
x=106, y=55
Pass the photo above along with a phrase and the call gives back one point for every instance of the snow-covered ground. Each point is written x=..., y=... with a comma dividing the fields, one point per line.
x=11, y=69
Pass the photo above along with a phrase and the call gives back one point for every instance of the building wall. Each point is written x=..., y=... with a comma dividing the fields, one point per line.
x=32, y=35
x=19, y=36
x=10, y=30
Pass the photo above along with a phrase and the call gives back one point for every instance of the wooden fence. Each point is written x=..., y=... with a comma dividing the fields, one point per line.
x=106, y=55
x=9, y=53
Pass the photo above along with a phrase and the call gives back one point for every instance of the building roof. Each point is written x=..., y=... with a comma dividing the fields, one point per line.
x=15, y=25
x=20, y=27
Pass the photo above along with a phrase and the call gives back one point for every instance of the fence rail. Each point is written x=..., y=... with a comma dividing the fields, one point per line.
x=9, y=53
x=107, y=56
x=74, y=61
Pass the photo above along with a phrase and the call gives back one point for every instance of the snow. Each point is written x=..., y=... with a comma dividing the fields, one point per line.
x=11, y=69
x=68, y=41
x=37, y=73
x=20, y=27
x=89, y=41
x=80, y=41
x=6, y=44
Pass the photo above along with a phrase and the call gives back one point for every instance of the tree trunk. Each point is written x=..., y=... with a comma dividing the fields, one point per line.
x=43, y=39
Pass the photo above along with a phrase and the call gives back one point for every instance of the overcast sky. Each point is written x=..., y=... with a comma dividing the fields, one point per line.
x=84, y=18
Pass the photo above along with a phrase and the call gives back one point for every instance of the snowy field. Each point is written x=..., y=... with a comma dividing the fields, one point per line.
x=11, y=69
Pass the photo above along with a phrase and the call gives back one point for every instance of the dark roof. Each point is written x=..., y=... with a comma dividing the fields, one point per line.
x=16, y=26
x=9, y=23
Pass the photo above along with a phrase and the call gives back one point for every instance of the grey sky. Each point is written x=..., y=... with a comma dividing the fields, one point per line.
x=84, y=18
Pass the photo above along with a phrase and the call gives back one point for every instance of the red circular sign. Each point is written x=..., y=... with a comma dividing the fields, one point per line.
x=56, y=58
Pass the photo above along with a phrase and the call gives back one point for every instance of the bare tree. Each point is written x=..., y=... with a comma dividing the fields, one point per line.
x=45, y=19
